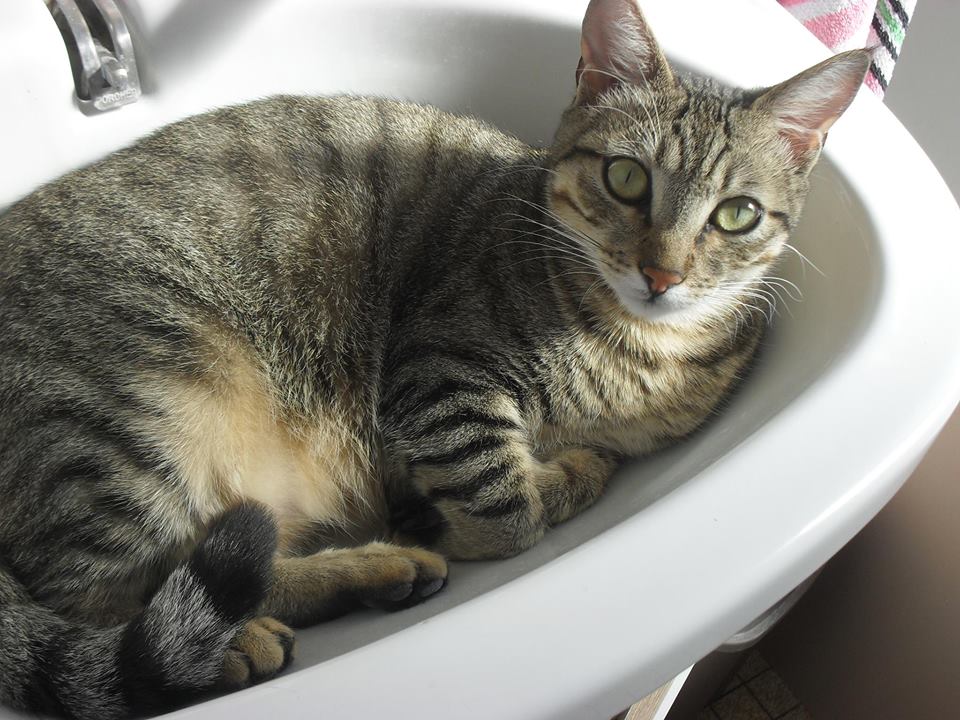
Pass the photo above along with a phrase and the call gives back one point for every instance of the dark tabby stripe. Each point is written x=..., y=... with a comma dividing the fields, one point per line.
x=410, y=401
x=506, y=505
x=459, y=454
x=469, y=484
x=479, y=365
x=472, y=417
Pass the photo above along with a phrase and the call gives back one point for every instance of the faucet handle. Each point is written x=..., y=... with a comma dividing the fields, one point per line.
x=100, y=51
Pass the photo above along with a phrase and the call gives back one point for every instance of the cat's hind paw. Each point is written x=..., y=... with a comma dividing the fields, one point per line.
x=261, y=649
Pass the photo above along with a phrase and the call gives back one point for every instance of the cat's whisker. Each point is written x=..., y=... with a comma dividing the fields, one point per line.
x=776, y=292
x=659, y=126
x=760, y=286
x=559, y=241
x=556, y=218
x=741, y=318
x=773, y=292
x=719, y=321
x=562, y=274
x=533, y=248
x=804, y=259
x=551, y=241
x=576, y=234
x=788, y=288
x=588, y=291
x=737, y=291
x=783, y=281
x=772, y=309
x=528, y=255
x=557, y=237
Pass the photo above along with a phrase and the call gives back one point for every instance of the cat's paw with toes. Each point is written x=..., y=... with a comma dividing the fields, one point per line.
x=259, y=651
x=399, y=577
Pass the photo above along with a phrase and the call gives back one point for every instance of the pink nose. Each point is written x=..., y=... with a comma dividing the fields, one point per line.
x=659, y=280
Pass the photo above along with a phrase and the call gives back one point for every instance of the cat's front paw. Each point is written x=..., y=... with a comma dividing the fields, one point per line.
x=396, y=577
x=572, y=480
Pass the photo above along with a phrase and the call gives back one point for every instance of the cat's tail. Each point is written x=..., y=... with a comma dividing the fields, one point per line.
x=170, y=652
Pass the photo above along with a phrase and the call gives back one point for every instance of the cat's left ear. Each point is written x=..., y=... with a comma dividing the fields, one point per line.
x=616, y=46
x=805, y=106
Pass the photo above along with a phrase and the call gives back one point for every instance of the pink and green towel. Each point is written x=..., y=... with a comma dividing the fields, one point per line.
x=848, y=24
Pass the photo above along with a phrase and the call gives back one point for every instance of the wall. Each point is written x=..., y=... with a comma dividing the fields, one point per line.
x=878, y=635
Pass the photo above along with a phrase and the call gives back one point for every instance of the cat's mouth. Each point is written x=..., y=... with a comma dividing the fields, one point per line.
x=675, y=306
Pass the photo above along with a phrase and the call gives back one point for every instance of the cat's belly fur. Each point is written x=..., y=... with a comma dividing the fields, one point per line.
x=230, y=441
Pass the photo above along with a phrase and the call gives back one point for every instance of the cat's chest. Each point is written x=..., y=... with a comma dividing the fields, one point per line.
x=632, y=402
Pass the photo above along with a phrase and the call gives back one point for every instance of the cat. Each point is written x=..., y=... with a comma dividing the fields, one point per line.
x=307, y=322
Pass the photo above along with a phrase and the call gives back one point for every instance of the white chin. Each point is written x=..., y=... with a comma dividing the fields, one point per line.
x=658, y=310
x=671, y=308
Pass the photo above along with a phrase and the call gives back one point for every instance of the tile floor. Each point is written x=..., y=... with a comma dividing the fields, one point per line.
x=755, y=693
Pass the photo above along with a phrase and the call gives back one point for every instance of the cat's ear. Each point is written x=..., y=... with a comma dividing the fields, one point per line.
x=616, y=46
x=805, y=106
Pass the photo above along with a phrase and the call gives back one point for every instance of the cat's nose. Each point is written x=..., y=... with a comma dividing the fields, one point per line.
x=659, y=281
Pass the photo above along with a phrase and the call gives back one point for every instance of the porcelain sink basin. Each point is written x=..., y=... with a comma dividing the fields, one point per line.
x=688, y=546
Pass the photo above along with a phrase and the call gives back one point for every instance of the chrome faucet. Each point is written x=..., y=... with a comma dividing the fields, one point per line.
x=100, y=51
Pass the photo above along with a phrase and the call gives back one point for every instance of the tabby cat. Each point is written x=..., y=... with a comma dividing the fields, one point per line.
x=310, y=321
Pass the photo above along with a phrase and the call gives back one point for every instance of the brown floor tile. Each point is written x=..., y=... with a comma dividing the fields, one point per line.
x=774, y=696
x=734, y=683
x=752, y=666
x=739, y=705
x=706, y=714
x=798, y=714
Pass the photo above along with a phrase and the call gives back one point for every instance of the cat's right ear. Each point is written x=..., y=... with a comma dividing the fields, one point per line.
x=804, y=107
x=616, y=46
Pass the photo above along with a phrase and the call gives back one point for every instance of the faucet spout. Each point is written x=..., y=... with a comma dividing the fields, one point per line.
x=100, y=50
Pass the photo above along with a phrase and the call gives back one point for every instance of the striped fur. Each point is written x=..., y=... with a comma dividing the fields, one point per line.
x=332, y=328
x=170, y=651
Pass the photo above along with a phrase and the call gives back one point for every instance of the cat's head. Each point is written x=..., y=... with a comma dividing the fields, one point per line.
x=683, y=192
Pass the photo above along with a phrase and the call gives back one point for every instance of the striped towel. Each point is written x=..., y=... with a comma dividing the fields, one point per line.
x=848, y=24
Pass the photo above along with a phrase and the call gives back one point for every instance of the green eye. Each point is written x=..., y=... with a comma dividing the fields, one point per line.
x=737, y=215
x=627, y=179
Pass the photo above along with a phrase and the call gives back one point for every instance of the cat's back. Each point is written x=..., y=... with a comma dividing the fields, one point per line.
x=322, y=157
x=229, y=208
x=230, y=269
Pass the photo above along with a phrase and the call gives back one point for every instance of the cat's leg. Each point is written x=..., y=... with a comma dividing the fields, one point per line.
x=469, y=455
x=498, y=508
x=318, y=587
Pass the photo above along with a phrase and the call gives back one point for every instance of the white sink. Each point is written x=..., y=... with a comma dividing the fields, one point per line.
x=688, y=546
